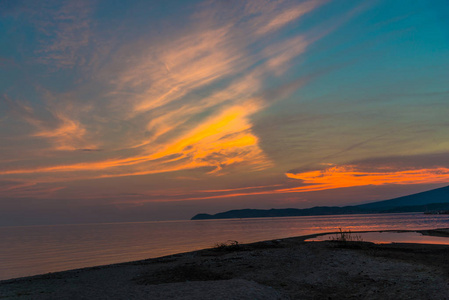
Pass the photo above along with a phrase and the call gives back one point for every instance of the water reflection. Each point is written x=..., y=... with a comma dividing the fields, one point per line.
x=387, y=238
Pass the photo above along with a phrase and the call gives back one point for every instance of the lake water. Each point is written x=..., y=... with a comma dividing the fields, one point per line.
x=35, y=250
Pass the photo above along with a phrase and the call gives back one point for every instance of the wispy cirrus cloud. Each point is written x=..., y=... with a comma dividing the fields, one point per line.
x=168, y=104
x=209, y=52
x=173, y=70
x=165, y=88
x=223, y=140
x=24, y=189
x=286, y=16
x=66, y=136
x=60, y=125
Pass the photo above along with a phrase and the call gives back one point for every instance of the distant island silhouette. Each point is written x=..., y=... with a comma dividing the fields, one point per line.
x=429, y=201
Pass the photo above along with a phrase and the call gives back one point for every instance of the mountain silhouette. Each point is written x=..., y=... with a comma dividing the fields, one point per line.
x=433, y=200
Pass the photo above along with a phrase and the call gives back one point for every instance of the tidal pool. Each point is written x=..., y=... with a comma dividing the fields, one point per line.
x=385, y=237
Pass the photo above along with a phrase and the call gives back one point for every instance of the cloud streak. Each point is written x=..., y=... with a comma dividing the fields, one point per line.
x=287, y=16
x=351, y=176
x=60, y=126
x=223, y=140
x=334, y=177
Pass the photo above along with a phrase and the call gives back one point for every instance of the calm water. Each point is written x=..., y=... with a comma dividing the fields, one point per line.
x=386, y=238
x=35, y=250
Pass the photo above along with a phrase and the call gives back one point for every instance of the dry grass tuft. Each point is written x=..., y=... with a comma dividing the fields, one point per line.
x=346, y=236
x=229, y=245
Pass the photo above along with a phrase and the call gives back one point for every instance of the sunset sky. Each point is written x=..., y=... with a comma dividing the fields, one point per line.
x=158, y=110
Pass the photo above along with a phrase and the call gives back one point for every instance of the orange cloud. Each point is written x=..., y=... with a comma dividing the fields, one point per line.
x=349, y=176
x=339, y=177
x=67, y=136
x=61, y=127
x=220, y=141
x=239, y=189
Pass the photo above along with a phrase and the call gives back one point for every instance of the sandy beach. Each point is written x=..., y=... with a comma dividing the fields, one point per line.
x=278, y=269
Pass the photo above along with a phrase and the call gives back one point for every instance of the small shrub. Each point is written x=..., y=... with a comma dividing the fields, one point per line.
x=230, y=245
x=346, y=236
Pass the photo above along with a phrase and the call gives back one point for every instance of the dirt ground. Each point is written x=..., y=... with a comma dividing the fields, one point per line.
x=279, y=269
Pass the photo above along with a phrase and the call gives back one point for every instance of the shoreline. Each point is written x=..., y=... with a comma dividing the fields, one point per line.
x=440, y=232
x=250, y=271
